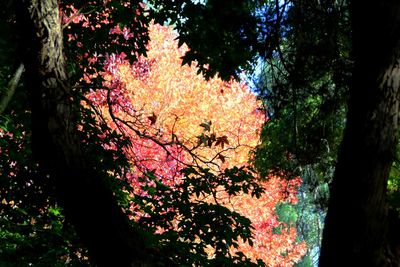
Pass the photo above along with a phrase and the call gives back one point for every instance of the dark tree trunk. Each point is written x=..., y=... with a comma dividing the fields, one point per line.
x=87, y=201
x=355, y=232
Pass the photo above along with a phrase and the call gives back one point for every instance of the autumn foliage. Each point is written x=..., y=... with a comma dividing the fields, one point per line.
x=175, y=118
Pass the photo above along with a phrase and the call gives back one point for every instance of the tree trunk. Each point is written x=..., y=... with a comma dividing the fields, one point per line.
x=355, y=231
x=88, y=202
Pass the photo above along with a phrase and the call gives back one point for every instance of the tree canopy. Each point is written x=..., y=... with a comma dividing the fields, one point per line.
x=113, y=153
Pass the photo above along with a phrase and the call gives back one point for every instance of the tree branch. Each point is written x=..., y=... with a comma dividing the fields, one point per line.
x=11, y=87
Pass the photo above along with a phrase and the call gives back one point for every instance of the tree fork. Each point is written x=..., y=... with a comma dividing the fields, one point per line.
x=87, y=201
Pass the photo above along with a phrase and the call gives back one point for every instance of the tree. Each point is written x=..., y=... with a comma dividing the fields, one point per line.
x=60, y=140
x=364, y=110
x=356, y=205
x=357, y=214
x=56, y=142
x=371, y=127
x=304, y=83
x=188, y=121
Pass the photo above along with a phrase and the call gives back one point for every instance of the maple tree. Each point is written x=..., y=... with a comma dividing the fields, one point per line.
x=175, y=118
x=251, y=28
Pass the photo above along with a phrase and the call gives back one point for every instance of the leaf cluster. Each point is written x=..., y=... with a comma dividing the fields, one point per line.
x=188, y=219
x=33, y=230
x=304, y=81
x=222, y=35
x=96, y=29
x=304, y=85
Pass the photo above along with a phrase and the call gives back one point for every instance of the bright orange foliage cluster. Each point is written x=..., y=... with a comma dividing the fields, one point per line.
x=274, y=249
x=176, y=118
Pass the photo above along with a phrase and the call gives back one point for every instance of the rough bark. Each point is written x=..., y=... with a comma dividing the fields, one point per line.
x=355, y=231
x=87, y=201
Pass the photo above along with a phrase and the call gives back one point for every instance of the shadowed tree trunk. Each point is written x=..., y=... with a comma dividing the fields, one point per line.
x=88, y=202
x=356, y=225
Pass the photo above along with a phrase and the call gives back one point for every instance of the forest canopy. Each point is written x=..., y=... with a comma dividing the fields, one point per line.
x=130, y=135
